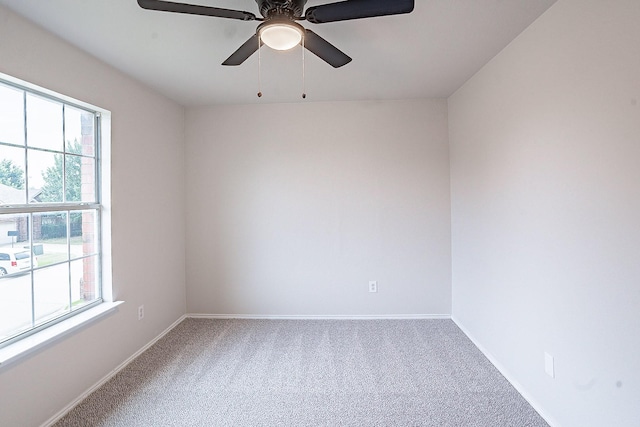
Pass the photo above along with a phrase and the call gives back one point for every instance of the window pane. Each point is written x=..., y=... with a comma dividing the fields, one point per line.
x=44, y=123
x=11, y=115
x=50, y=238
x=79, y=133
x=84, y=282
x=80, y=174
x=14, y=237
x=15, y=280
x=84, y=233
x=15, y=305
x=88, y=180
x=12, y=178
x=51, y=292
x=45, y=176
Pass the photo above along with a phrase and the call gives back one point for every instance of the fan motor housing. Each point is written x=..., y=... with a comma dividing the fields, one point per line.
x=293, y=8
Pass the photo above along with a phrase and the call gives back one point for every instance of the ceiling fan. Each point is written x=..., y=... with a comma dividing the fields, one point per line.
x=279, y=29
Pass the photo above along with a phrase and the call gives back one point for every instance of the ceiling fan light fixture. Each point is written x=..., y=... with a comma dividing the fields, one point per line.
x=279, y=29
x=281, y=35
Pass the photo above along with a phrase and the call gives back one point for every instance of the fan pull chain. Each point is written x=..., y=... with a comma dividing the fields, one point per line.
x=304, y=94
x=259, y=70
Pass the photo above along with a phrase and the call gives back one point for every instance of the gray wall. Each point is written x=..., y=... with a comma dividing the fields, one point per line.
x=293, y=208
x=545, y=150
x=148, y=222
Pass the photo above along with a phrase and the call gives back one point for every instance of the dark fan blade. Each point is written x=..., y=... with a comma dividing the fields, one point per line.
x=244, y=52
x=357, y=9
x=325, y=50
x=167, y=6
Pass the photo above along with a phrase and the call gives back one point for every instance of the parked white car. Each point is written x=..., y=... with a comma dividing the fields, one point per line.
x=15, y=260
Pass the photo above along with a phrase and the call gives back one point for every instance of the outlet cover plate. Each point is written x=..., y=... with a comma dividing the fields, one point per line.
x=373, y=286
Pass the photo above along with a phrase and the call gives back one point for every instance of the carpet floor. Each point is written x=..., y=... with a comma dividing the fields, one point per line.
x=308, y=373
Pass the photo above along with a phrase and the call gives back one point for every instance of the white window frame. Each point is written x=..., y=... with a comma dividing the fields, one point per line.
x=42, y=335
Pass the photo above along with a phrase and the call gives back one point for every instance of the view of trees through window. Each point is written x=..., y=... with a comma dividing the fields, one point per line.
x=12, y=175
x=49, y=210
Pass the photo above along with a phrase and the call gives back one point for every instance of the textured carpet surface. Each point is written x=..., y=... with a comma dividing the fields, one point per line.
x=308, y=373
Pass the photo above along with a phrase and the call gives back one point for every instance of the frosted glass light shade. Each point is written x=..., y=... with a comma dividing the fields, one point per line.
x=280, y=36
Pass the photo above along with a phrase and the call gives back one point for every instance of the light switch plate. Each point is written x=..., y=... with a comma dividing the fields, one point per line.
x=548, y=365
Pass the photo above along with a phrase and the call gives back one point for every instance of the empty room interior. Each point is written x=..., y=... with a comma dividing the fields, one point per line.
x=475, y=165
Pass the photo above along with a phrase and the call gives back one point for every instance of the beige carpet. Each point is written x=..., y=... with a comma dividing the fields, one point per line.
x=308, y=373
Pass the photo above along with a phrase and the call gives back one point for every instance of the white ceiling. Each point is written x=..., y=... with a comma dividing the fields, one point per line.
x=427, y=54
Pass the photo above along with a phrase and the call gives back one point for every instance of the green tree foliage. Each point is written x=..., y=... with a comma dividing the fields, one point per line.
x=53, y=178
x=11, y=174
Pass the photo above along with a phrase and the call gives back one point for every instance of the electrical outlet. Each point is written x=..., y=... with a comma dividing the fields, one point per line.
x=141, y=312
x=373, y=286
x=548, y=365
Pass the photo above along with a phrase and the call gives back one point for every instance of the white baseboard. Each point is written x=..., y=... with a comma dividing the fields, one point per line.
x=505, y=373
x=107, y=377
x=320, y=317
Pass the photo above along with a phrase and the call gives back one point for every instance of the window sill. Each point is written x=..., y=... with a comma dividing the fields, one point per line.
x=37, y=341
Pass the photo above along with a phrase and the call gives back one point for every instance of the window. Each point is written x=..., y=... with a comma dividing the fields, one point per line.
x=50, y=209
